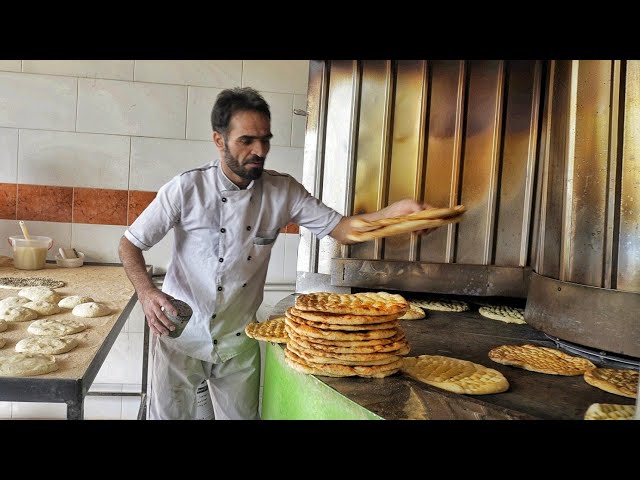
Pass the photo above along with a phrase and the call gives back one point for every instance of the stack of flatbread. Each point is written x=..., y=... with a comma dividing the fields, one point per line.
x=343, y=335
x=364, y=230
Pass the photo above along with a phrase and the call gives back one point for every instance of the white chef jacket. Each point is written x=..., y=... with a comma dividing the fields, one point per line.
x=223, y=240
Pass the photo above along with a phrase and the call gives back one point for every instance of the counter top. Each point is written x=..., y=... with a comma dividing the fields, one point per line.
x=470, y=336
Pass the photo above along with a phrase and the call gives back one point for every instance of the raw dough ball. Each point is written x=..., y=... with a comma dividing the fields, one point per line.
x=42, y=307
x=27, y=364
x=13, y=301
x=44, y=294
x=50, y=345
x=3, y=326
x=73, y=300
x=55, y=328
x=18, y=314
x=2, y=342
x=91, y=309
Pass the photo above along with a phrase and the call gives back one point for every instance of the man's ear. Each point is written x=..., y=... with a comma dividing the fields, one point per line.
x=218, y=140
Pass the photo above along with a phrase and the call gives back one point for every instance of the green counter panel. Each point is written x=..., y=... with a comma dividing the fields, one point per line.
x=291, y=395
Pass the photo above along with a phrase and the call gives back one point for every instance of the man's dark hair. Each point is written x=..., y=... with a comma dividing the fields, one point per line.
x=233, y=100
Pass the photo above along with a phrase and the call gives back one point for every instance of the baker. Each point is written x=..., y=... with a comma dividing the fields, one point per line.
x=226, y=217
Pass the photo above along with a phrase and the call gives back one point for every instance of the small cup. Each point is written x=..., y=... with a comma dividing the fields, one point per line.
x=180, y=320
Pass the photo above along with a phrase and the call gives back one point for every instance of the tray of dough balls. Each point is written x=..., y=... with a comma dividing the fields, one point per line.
x=53, y=321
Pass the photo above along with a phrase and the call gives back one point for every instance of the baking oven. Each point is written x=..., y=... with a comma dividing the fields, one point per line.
x=545, y=156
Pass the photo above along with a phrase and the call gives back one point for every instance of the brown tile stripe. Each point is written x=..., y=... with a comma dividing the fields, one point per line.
x=138, y=201
x=96, y=206
x=44, y=203
x=100, y=206
x=8, y=201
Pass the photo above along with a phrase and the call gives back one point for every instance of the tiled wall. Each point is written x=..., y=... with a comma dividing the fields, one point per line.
x=86, y=144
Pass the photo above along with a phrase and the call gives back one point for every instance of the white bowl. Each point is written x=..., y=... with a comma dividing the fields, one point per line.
x=70, y=262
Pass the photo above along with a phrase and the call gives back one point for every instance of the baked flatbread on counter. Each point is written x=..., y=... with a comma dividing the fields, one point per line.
x=540, y=359
x=455, y=375
x=609, y=411
x=619, y=381
x=271, y=330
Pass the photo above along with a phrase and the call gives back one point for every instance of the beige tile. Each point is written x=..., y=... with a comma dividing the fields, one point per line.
x=286, y=160
x=37, y=101
x=99, y=243
x=10, y=65
x=131, y=108
x=199, y=107
x=73, y=159
x=299, y=122
x=154, y=161
x=102, y=407
x=111, y=69
x=281, y=107
x=281, y=76
x=39, y=410
x=8, y=155
x=203, y=73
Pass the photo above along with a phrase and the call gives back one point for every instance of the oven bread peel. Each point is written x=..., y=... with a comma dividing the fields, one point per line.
x=365, y=230
x=540, y=359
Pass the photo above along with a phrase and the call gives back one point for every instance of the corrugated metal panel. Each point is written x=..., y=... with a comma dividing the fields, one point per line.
x=628, y=277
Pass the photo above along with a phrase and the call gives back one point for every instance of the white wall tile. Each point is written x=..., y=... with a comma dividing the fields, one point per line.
x=8, y=155
x=123, y=364
x=281, y=107
x=105, y=387
x=128, y=108
x=102, y=408
x=39, y=410
x=203, y=73
x=283, y=76
x=299, y=121
x=99, y=243
x=154, y=161
x=291, y=242
x=199, y=107
x=130, y=408
x=10, y=65
x=135, y=322
x=160, y=254
x=286, y=160
x=5, y=410
x=37, y=101
x=60, y=233
x=112, y=69
x=73, y=159
x=275, y=273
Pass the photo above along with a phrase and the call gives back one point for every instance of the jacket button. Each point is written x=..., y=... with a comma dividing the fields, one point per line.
x=215, y=341
x=244, y=285
x=249, y=258
x=222, y=230
x=238, y=334
x=219, y=289
x=213, y=316
x=224, y=199
x=221, y=259
x=248, y=228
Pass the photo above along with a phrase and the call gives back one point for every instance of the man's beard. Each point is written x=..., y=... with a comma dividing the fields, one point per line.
x=252, y=174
